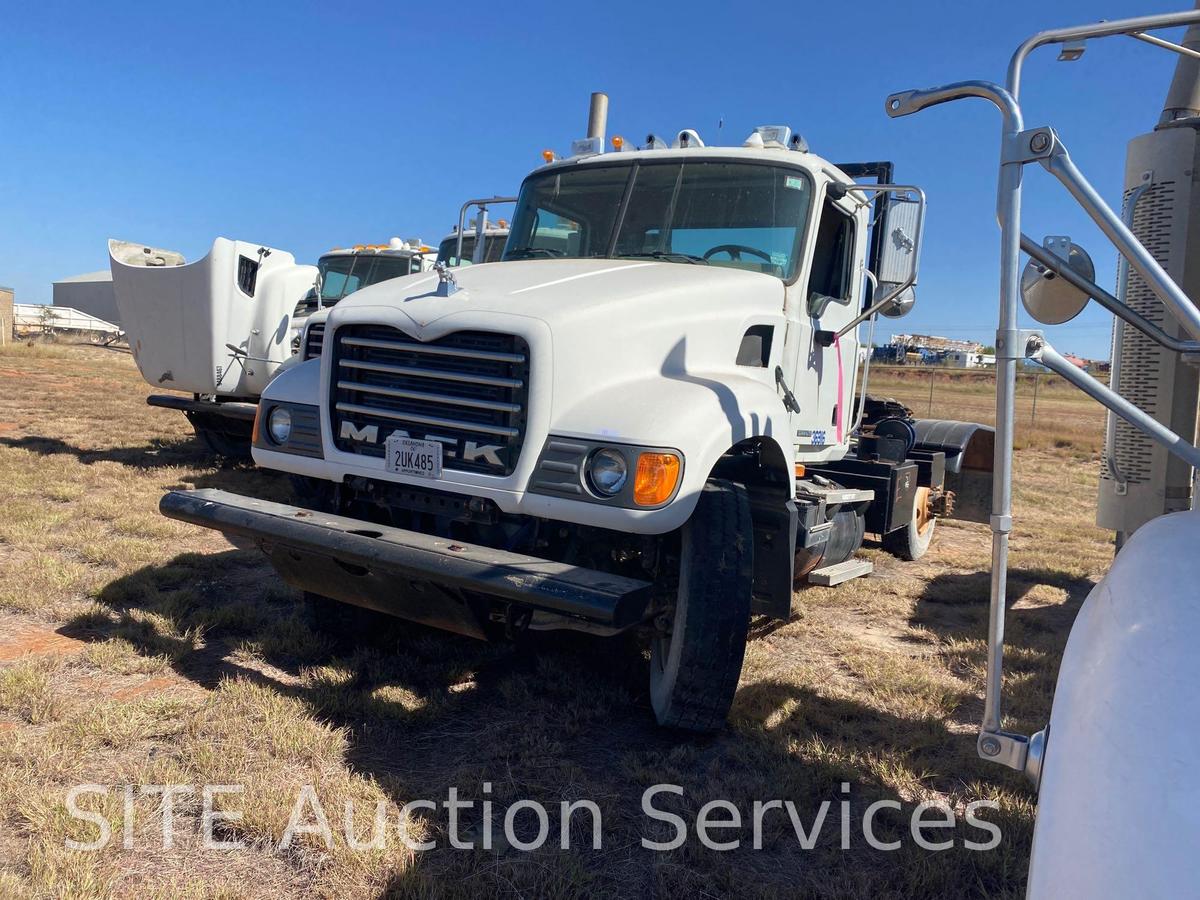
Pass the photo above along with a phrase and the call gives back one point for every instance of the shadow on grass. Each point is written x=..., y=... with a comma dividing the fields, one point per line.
x=956, y=605
x=154, y=454
x=567, y=717
x=956, y=608
x=185, y=453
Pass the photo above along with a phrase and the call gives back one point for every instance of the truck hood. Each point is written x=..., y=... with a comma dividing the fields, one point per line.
x=617, y=345
x=615, y=295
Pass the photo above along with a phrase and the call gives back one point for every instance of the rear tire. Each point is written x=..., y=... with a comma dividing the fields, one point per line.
x=912, y=541
x=694, y=669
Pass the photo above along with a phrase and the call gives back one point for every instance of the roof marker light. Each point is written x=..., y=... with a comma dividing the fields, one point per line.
x=618, y=142
x=548, y=156
x=774, y=135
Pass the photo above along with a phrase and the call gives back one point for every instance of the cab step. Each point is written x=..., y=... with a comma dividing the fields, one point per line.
x=828, y=576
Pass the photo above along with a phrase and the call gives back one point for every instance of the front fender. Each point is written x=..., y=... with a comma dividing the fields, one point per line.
x=298, y=383
x=1119, y=808
x=702, y=415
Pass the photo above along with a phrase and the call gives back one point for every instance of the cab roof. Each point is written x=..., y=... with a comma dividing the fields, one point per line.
x=774, y=144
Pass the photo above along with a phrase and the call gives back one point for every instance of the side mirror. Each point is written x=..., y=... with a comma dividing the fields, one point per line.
x=899, y=240
x=1050, y=299
x=900, y=221
x=902, y=305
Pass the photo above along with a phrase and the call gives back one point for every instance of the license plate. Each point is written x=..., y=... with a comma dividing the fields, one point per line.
x=408, y=456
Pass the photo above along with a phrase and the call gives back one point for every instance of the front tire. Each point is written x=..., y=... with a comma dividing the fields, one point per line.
x=694, y=668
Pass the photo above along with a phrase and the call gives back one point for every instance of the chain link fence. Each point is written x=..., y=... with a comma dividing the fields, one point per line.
x=1049, y=410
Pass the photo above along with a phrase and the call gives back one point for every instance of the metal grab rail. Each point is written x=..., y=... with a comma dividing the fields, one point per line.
x=1017, y=149
x=1037, y=348
x=480, y=225
x=1059, y=267
x=1059, y=164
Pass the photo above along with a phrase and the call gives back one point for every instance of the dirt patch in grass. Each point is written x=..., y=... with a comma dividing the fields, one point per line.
x=137, y=650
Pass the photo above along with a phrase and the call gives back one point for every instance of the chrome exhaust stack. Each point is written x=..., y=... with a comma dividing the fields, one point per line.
x=598, y=117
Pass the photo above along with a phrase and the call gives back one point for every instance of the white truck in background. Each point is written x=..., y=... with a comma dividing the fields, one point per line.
x=483, y=243
x=222, y=327
x=648, y=416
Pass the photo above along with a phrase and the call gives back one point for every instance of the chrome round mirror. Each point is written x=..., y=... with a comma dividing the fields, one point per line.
x=902, y=305
x=1049, y=298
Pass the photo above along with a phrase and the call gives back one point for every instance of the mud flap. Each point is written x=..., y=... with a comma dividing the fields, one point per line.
x=969, y=449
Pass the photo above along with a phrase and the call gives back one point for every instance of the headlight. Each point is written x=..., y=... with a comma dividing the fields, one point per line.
x=607, y=472
x=279, y=425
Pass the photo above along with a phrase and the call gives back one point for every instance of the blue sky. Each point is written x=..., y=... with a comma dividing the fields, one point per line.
x=306, y=126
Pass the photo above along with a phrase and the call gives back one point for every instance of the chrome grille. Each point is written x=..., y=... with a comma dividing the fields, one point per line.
x=314, y=340
x=467, y=390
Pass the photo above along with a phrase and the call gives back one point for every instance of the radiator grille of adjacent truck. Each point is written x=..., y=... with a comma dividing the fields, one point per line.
x=467, y=390
x=314, y=339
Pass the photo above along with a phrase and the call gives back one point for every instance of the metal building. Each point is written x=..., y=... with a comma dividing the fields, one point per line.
x=91, y=293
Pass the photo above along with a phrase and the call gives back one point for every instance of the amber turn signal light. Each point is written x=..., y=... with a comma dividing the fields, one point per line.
x=656, y=478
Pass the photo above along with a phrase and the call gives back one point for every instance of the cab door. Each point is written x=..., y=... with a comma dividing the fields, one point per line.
x=826, y=297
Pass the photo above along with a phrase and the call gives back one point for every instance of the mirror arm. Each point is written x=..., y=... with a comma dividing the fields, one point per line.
x=1059, y=267
x=826, y=338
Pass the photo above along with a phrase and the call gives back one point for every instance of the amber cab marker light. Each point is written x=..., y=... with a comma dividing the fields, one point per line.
x=657, y=475
x=618, y=142
x=799, y=470
x=548, y=155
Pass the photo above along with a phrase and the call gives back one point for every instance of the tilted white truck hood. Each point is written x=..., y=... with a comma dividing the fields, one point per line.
x=629, y=351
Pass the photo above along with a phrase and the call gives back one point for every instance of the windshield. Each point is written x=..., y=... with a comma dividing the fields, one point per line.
x=342, y=275
x=744, y=215
x=493, y=249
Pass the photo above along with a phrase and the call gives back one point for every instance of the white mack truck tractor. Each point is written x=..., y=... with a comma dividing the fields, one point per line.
x=649, y=415
x=222, y=327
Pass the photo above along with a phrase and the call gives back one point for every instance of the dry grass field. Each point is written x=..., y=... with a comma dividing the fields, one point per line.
x=137, y=650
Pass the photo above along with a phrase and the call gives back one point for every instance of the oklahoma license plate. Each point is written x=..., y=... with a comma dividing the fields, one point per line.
x=408, y=456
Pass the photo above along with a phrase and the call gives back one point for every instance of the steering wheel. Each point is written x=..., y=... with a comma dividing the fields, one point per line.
x=735, y=252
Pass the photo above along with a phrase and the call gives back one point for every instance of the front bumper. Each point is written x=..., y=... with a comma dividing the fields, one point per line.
x=432, y=580
x=241, y=411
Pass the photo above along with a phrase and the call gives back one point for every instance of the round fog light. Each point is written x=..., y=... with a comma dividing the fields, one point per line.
x=279, y=425
x=607, y=472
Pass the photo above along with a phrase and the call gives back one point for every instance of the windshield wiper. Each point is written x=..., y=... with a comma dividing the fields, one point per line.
x=672, y=256
x=531, y=252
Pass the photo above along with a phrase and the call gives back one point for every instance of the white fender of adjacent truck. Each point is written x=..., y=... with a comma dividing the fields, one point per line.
x=181, y=319
x=1119, y=808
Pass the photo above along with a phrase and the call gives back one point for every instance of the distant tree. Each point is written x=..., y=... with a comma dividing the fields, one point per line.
x=989, y=349
x=47, y=317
